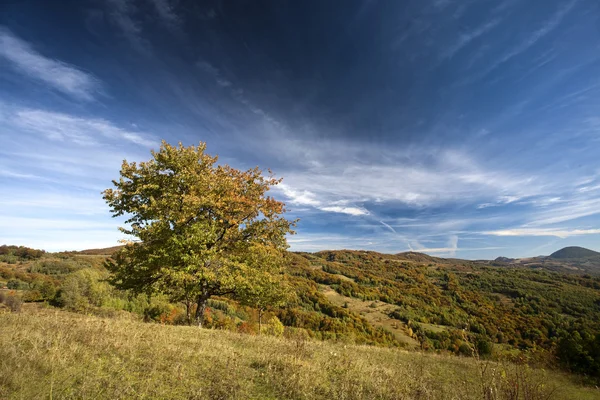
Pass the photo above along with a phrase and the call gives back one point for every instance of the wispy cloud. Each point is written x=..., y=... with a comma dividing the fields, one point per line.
x=346, y=210
x=83, y=131
x=531, y=40
x=557, y=232
x=166, y=11
x=59, y=75
x=450, y=249
x=465, y=38
x=121, y=13
x=306, y=198
x=388, y=226
x=406, y=180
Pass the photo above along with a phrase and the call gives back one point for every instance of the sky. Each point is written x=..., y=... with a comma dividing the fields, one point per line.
x=466, y=129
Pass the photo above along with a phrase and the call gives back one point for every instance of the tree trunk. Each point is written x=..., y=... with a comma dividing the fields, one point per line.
x=188, y=312
x=202, y=301
x=260, y=314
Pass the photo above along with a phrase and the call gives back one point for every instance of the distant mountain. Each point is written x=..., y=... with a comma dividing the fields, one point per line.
x=574, y=252
x=572, y=259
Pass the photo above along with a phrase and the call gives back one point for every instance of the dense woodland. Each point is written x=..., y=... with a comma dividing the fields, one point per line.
x=438, y=305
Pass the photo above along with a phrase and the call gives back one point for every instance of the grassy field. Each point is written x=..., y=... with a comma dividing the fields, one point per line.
x=51, y=354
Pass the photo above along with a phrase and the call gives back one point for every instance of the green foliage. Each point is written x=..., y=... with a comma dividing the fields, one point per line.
x=274, y=327
x=16, y=284
x=484, y=347
x=202, y=230
x=574, y=252
x=580, y=352
x=84, y=289
x=19, y=253
x=56, y=266
x=456, y=306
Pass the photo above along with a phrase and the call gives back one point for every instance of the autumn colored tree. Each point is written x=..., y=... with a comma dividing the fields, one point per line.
x=200, y=229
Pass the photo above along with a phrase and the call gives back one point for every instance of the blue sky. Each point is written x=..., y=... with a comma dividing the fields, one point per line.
x=463, y=129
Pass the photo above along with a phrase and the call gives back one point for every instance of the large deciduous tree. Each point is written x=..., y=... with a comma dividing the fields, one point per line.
x=200, y=229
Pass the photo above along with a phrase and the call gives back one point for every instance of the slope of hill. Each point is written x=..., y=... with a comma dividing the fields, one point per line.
x=403, y=300
x=574, y=252
x=120, y=358
x=104, y=252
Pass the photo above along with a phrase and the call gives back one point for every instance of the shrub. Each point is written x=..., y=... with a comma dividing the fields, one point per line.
x=2, y=296
x=16, y=284
x=484, y=347
x=274, y=327
x=465, y=350
x=32, y=295
x=14, y=303
x=9, y=258
x=55, y=266
x=246, y=327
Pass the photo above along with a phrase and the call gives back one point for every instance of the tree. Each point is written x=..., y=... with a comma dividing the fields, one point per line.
x=265, y=291
x=200, y=229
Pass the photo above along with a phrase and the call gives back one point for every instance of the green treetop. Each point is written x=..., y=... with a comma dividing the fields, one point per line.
x=200, y=229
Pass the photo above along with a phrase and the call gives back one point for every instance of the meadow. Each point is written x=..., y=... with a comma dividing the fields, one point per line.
x=48, y=353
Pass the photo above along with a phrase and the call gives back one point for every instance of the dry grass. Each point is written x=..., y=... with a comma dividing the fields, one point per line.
x=52, y=354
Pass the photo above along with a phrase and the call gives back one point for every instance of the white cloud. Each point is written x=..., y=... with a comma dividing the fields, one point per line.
x=82, y=131
x=388, y=226
x=557, y=232
x=307, y=198
x=566, y=210
x=450, y=249
x=346, y=210
x=302, y=198
x=403, y=179
x=57, y=74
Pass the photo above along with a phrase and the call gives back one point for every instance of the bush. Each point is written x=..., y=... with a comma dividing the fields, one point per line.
x=484, y=347
x=14, y=303
x=2, y=296
x=16, y=284
x=9, y=258
x=246, y=327
x=274, y=327
x=465, y=350
x=55, y=267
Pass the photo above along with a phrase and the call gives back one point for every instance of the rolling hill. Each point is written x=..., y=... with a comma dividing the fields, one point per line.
x=407, y=300
x=572, y=260
x=574, y=252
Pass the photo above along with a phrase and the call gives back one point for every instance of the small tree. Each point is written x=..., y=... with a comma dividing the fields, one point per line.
x=266, y=291
x=201, y=229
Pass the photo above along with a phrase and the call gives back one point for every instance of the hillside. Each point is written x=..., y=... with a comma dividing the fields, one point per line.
x=408, y=301
x=105, y=251
x=119, y=358
x=574, y=252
